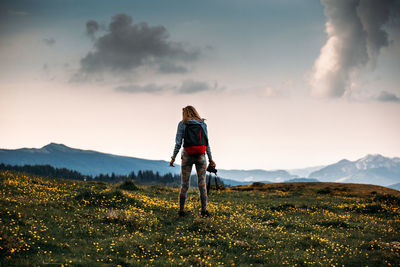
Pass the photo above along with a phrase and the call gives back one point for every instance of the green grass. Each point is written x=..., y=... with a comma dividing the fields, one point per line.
x=77, y=223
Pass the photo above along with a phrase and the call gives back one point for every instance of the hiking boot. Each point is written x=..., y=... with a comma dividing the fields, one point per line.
x=181, y=213
x=205, y=214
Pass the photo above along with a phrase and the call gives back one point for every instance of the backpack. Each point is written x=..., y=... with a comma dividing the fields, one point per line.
x=195, y=140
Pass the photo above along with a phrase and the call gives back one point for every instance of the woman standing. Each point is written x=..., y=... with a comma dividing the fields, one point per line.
x=193, y=131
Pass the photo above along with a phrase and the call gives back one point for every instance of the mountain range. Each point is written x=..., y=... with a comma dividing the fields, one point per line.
x=87, y=162
x=91, y=162
x=371, y=169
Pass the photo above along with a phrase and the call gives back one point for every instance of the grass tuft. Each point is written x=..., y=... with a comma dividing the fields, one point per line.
x=128, y=185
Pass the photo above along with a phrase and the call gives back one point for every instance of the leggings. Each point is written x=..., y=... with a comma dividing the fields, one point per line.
x=201, y=169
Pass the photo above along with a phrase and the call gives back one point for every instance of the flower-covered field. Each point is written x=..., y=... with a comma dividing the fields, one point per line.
x=65, y=222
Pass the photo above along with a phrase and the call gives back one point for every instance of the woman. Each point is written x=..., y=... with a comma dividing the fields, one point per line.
x=193, y=153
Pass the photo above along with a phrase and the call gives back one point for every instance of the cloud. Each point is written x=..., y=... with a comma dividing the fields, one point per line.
x=92, y=26
x=17, y=12
x=356, y=34
x=262, y=91
x=186, y=87
x=385, y=96
x=126, y=47
x=191, y=86
x=49, y=41
x=11, y=20
x=149, y=88
x=169, y=67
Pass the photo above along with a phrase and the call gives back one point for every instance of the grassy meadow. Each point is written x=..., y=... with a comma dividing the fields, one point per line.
x=58, y=222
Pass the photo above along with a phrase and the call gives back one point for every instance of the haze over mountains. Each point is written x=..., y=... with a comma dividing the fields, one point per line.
x=372, y=169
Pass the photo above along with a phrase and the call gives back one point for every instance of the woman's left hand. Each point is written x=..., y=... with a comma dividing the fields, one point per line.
x=171, y=163
x=212, y=163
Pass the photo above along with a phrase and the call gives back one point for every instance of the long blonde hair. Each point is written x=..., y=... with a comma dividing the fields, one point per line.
x=190, y=113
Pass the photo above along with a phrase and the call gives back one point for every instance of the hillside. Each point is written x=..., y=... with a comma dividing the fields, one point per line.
x=84, y=161
x=336, y=189
x=56, y=221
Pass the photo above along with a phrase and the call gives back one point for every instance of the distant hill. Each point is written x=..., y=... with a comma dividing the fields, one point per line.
x=230, y=182
x=305, y=172
x=256, y=175
x=301, y=180
x=395, y=186
x=84, y=161
x=371, y=169
x=91, y=162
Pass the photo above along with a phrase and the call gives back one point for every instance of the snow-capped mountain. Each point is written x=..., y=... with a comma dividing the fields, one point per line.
x=371, y=169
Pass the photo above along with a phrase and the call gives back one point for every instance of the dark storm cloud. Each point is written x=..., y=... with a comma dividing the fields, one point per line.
x=126, y=46
x=186, y=87
x=149, y=88
x=388, y=97
x=91, y=27
x=168, y=67
x=190, y=87
x=357, y=31
x=49, y=41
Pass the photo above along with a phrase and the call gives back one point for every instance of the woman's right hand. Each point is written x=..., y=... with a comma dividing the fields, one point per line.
x=171, y=163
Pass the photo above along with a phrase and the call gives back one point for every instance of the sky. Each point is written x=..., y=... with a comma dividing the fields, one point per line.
x=282, y=84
